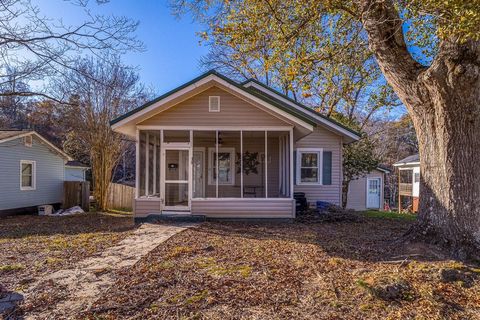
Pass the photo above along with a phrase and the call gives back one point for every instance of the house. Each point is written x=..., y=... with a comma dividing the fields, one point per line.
x=219, y=148
x=367, y=192
x=32, y=171
x=408, y=182
x=75, y=171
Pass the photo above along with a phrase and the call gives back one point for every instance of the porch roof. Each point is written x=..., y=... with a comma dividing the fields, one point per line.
x=412, y=160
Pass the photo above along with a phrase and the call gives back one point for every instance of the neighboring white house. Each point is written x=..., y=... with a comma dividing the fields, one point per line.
x=219, y=148
x=75, y=171
x=409, y=181
x=367, y=192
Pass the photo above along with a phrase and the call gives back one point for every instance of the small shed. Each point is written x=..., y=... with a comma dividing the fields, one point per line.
x=367, y=192
x=75, y=171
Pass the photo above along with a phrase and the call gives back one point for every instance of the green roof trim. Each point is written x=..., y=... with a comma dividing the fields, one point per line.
x=300, y=105
x=252, y=91
x=163, y=96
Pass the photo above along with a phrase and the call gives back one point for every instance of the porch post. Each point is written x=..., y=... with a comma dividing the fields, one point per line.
x=291, y=163
x=147, y=155
x=266, y=164
x=241, y=163
x=137, y=163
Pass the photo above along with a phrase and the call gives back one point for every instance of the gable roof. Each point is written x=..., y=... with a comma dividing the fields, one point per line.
x=76, y=164
x=301, y=113
x=414, y=159
x=8, y=135
x=256, y=85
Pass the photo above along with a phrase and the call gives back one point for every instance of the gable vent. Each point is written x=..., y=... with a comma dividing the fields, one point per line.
x=213, y=104
x=27, y=140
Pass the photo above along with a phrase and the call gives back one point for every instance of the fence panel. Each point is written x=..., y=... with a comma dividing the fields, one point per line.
x=120, y=196
x=76, y=193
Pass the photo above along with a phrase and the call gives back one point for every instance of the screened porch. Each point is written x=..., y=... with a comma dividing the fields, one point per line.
x=176, y=167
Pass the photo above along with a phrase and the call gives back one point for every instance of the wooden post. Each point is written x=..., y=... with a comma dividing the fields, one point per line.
x=399, y=195
x=85, y=194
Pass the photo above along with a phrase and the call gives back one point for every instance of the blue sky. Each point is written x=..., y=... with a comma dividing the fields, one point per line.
x=172, y=48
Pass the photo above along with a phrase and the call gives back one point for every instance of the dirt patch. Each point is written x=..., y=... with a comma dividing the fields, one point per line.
x=33, y=246
x=289, y=271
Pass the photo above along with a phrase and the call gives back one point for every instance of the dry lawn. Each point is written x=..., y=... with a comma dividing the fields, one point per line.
x=31, y=246
x=298, y=270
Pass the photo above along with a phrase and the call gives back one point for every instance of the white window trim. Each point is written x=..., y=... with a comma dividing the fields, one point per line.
x=34, y=175
x=210, y=104
x=211, y=151
x=300, y=151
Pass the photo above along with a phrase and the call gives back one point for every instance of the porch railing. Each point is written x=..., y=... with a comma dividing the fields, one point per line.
x=406, y=189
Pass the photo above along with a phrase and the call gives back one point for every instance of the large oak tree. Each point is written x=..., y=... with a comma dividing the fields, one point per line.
x=428, y=51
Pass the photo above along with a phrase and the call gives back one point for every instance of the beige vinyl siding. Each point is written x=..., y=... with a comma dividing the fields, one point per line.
x=233, y=112
x=243, y=208
x=328, y=141
x=357, y=191
x=144, y=207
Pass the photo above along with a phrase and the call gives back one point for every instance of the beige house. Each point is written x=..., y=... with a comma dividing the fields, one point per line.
x=367, y=192
x=218, y=148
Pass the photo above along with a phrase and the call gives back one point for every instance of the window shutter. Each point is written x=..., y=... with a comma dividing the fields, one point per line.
x=294, y=167
x=327, y=168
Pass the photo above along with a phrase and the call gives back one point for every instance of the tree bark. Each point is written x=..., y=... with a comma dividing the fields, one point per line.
x=443, y=101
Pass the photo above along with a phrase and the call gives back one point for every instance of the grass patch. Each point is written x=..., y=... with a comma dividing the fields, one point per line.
x=389, y=215
x=11, y=267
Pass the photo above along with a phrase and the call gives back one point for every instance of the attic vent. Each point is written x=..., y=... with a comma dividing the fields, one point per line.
x=214, y=104
x=27, y=140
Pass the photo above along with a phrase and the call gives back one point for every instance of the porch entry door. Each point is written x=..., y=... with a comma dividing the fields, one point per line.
x=176, y=181
x=373, y=193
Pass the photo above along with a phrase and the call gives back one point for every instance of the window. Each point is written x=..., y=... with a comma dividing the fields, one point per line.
x=27, y=175
x=309, y=164
x=416, y=177
x=214, y=104
x=226, y=166
x=27, y=141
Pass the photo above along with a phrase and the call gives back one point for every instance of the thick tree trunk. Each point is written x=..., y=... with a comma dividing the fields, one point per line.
x=448, y=131
x=443, y=101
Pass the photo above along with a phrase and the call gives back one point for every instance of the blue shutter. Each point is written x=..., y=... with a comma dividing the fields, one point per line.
x=327, y=168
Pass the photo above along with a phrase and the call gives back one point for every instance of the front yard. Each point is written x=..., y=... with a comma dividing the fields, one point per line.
x=31, y=246
x=347, y=270
x=254, y=270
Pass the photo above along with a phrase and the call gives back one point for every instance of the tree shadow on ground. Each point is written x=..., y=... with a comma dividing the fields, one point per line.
x=369, y=239
x=16, y=227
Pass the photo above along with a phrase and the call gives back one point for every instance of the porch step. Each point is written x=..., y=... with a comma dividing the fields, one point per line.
x=176, y=217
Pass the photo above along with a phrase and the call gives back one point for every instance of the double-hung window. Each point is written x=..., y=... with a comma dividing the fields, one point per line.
x=27, y=175
x=309, y=166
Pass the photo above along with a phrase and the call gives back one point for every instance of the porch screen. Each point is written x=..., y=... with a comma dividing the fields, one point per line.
x=149, y=164
x=226, y=168
x=253, y=163
x=203, y=141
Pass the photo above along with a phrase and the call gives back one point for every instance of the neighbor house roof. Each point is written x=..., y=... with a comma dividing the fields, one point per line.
x=410, y=160
x=76, y=164
x=298, y=111
x=8, y=135
x=383, y=169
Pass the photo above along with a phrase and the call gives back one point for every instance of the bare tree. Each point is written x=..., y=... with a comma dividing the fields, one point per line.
x=36, y=47
x=102, y=90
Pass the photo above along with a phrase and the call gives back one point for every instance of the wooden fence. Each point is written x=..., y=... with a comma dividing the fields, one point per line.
x=76, y=193
x=120, y=196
